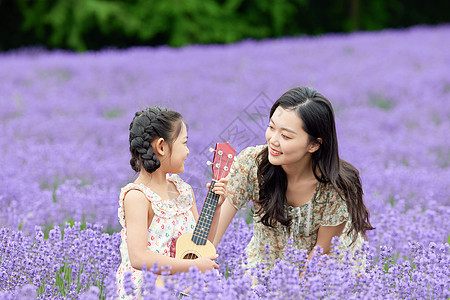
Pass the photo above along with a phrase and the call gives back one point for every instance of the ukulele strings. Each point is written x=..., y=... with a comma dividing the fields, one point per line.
x=218, y=176
x=196, y=247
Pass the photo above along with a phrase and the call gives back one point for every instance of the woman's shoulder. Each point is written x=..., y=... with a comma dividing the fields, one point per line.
x=327, y=192
x=246, y=163
x=251, y=152
x=248, y=158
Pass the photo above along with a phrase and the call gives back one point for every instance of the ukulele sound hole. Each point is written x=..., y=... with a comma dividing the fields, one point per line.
x=190, y=256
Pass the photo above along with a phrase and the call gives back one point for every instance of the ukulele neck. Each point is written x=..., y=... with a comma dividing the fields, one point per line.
x=203, y=226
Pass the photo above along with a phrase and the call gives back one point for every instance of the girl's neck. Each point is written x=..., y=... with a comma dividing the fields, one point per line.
x=152, y=180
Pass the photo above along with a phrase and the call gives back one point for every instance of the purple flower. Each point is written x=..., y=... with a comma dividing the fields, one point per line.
x=128, y=284
x=92, y=293
x=64, y=156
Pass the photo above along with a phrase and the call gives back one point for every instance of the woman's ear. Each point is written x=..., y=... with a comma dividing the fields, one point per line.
x=159, y=146
x=315, y=145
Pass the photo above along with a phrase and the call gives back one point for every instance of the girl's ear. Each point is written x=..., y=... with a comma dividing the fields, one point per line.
x=314, y=146
x=159, y=146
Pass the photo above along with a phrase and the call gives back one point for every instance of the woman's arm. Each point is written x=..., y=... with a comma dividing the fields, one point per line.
x=324, y=236
x=241, y=183
x=220, y=188
x=137, y=209
x=224, y=215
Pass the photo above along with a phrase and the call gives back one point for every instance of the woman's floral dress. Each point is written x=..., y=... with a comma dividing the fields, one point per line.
x=172, y=218
x=326, y=208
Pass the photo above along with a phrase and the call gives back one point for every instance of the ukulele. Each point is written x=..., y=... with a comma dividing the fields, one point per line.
x=196, y=244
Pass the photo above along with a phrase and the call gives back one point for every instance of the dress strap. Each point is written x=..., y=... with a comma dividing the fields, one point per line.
x=123, y=192
x=177, y=181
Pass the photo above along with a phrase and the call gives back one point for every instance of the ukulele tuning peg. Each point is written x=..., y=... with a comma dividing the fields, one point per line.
x=230, y=156
x=220, y=152
x=212, y=150
x=209, y=163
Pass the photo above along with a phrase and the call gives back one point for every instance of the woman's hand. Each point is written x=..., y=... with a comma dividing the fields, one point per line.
x=220, y=188
x=206, y=263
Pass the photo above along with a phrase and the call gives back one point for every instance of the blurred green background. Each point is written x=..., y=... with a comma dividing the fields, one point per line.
x=96, y=24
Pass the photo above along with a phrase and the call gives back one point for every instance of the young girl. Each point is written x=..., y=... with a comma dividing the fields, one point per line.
x=157, y=208
x=300, y=188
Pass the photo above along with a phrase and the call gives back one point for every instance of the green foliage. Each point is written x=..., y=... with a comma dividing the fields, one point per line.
x=93, y=24
x=69, y=20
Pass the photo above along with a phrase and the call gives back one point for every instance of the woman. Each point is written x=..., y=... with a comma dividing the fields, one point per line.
x=300, y=188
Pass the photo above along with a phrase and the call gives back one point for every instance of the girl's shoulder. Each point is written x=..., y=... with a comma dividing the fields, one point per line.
x=181, y=185
x=166, y=208
x=149, y=194
x=133, y=186
x=185, y=190
x=177, y=180
x=181, y=205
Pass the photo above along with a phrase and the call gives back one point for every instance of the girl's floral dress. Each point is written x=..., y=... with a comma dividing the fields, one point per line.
x=172, y=218
x=326, y=208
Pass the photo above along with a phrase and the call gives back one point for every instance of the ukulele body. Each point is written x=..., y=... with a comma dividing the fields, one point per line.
x=187, y=249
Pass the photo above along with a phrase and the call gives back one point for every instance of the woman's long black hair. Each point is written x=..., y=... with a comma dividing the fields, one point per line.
x=317, y=115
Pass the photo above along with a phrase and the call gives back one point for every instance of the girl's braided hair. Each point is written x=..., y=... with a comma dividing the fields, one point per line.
x=147, y=125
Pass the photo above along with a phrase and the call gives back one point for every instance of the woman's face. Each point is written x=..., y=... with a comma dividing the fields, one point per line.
x=287, y=141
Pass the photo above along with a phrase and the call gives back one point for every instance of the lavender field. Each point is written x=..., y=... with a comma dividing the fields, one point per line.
x=64, y=121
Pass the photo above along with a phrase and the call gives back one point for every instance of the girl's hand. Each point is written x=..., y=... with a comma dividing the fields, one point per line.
x=206, y=263
x=220, y=188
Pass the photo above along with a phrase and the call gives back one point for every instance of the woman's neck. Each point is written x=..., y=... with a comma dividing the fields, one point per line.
x=299, y=171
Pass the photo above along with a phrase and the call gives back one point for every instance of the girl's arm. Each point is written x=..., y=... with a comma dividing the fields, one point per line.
x=324, y=236
x=137, y=209
x=194, y=208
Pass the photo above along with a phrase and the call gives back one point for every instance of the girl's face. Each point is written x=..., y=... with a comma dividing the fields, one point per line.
x=287, y=141
x=179, y=152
